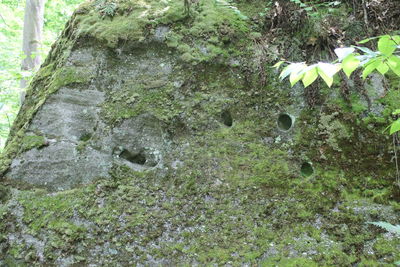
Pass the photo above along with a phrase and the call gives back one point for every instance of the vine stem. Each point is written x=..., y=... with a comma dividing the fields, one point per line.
x=395, y=142
x=364, y=6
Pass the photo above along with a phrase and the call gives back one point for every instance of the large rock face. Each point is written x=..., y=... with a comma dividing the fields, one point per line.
x=80, y=145
x=152, y=137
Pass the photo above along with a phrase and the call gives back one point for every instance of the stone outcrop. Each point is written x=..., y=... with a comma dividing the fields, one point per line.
x=155, y=137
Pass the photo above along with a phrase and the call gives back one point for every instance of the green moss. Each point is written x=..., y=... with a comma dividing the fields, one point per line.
x=32, y=141
x=135, y=18
x=4, y=195
x=239, y=196
x=290, y=262
x=391, y=100
x=387, y=248
x=69, y=75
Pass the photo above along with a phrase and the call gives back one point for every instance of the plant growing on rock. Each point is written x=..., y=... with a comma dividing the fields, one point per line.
x=386, y=59
x=394, y=229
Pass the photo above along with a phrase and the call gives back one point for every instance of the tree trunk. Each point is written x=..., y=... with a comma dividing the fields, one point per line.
x=32, y=37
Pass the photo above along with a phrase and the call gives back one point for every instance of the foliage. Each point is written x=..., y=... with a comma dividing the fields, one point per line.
x=395, y=229
x=106, y=8
x=386, y=59
x=311, y=6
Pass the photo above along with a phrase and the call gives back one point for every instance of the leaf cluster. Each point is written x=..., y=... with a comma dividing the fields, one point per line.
x=106, y=9
x=349, y=59
x=385, y=59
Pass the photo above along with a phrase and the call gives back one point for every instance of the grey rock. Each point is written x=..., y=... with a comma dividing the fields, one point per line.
x=81, y=145
x=160, y=33
x=70, y=114
x=60, y=166
x=140, y=140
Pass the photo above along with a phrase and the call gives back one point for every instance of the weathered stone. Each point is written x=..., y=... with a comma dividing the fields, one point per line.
x=70, y=114
x=60, y=166
x=140, y=141
x=181, y=147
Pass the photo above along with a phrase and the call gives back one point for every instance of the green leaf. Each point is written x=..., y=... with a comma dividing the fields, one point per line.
x=327, y=71
x=395, y=126
x=386, y=45
x=310, y=76
x=396, y=39
x=327, y=79
x=344, y=52
x=370, y=67
x=396, y=112
x=382, y=68
x=368, y=52
x=278, y=64
x=293, y=67
x=394, y=64
x=295, y=77
x=367, y=40
x=299, y=72
x=350, y=64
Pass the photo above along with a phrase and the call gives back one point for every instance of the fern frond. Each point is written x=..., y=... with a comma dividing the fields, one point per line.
x=388, y=227
x=99, y=3
x=109, y=9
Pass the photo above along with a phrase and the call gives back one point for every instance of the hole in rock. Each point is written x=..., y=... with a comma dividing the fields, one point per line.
x=227, y=118
x=285, y=122
x=137, y=158
x=307, y=169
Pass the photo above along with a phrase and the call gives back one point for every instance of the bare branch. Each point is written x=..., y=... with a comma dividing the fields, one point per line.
x=4, y=21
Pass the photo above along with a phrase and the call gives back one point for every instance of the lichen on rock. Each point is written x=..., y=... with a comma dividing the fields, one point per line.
x=150, y=136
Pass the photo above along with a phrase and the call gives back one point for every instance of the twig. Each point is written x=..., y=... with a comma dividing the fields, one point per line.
x=4, y=21
x=364, y=6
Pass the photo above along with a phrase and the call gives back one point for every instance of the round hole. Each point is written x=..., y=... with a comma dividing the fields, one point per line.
x=285, y=122
x=307, y=169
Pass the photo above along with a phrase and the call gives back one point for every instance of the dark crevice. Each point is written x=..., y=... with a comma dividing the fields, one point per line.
x=227, y=118
x=137, y=158
x=307, y=169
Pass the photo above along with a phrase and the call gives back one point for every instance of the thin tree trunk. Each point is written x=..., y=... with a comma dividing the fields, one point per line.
x=32, y=37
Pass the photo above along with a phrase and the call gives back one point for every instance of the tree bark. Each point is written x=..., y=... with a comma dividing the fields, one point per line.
x=32, y=37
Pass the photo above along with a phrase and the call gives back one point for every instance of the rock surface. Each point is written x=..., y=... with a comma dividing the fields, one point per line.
x=150, y=137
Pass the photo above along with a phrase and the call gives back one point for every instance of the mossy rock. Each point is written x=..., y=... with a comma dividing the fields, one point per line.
x=150, y=136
